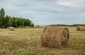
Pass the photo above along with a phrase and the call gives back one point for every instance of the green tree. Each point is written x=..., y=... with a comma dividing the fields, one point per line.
x=6, y=21
x=2, y=16
x=10, y=22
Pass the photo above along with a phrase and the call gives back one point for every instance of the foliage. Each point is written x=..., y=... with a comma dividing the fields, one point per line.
x=6, y=21
x=73, y=25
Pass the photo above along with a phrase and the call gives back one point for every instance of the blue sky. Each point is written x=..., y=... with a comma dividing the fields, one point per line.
x=44, y=12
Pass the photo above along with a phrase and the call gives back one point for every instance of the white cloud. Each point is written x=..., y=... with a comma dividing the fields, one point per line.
x=46, y=11
x=71, y=3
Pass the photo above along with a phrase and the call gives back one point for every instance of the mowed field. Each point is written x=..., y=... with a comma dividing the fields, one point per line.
x=23, y=41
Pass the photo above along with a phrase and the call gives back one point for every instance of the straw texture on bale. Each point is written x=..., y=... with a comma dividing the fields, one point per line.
x=11, y=28
x=80, y=28
x=55, y=36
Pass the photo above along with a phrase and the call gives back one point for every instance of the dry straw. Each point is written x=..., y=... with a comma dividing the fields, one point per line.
x=53, y=36
x=80, y=28
x=11, y=28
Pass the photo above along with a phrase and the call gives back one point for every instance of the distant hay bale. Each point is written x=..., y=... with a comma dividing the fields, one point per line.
x=27, y=27
x=80, y=28
x=8, y=27
x=11, y=28
x=55, y=37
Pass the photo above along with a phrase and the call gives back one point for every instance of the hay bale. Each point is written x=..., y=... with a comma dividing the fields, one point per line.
x=11, y=28
x=27, y=27
x=55, y=36
x=8, y=27
x=80, y=28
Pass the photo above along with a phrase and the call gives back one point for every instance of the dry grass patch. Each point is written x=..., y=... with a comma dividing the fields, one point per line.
x=25, y=41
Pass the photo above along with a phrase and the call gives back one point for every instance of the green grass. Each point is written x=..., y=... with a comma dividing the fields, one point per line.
x=25, y=41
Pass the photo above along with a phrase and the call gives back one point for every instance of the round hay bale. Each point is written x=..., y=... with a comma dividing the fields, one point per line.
x=55, y=36
x=27, y=27
x=80, y=28
x=8, y=27
x=11, y=28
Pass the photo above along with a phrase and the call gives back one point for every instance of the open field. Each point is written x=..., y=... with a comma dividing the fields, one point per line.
x=23, y=41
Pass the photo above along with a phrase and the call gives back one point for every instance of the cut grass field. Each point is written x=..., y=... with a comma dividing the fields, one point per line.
x=23, y=41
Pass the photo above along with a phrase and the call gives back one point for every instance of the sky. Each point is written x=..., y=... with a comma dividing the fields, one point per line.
x=46, y=12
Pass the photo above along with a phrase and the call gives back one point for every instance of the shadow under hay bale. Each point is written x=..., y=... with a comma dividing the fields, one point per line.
x=11, y=28
x=80, y=28
x=55, y=36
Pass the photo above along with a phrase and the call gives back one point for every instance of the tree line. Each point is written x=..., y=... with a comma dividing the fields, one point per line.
x=73, y=25
x=8, y=21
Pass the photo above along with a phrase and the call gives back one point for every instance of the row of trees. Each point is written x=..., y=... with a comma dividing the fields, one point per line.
x=6, y=21
x=73, y=25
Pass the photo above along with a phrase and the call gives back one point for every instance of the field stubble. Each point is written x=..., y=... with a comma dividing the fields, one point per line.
x=24, y=41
